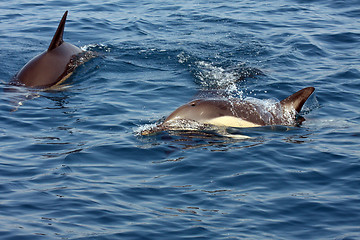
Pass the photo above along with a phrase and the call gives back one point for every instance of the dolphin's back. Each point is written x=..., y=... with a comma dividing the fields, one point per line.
x=52, y=66
x=48, y=68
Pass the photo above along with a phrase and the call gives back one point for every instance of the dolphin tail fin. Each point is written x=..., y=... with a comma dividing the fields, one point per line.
x=58, y=37
x=298, y=99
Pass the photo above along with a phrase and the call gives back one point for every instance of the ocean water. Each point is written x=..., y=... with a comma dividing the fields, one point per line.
x=74, y=166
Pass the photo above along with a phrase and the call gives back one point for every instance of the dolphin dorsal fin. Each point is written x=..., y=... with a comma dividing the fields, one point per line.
x=298, y=99
x=58, y=37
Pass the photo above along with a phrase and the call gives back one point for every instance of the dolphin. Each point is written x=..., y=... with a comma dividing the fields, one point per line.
x=236, y=113
x=53, y=66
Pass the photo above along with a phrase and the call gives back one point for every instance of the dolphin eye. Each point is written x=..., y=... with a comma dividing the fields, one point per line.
x=193, y=104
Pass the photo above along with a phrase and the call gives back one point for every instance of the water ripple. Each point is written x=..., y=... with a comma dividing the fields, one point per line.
x=73, y=165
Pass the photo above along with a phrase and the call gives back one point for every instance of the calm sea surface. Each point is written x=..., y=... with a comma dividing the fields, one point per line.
x=72, y=162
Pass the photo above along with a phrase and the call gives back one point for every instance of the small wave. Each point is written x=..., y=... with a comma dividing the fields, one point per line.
x=96, y=48
x=174, y=125
x=185, y=125
x=189, y=128
x=81, y=59
x=145, y=129
x=213, y=76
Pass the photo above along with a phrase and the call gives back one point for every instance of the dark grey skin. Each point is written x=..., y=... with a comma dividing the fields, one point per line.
x=238, y=113
x=51, y=67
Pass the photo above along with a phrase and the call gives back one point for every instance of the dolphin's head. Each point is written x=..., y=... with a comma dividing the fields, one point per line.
x=188, y=116
x=201, y=110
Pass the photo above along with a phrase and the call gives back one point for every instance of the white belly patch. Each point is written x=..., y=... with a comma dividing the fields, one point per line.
x=230, y=121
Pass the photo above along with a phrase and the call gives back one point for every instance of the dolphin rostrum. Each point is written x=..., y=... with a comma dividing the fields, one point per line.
x=53, y=66
x=236, y=113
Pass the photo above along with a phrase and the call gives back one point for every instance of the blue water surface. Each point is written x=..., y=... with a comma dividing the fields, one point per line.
x=73, y=164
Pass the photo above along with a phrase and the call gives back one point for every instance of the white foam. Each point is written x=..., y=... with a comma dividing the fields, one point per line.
x=216, y=77
x=140, y=130
x=270, y=109
x=91, y=47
